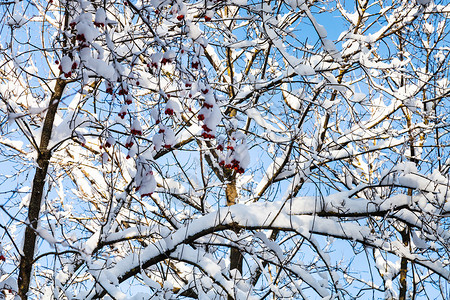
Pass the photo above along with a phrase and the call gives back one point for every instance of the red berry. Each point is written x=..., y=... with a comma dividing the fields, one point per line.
x=136, y=132
x=201, y=117
x=194, y=65
x=167, y=146
x=205, y=91
x=219, y=147
x=207, y=19
x=180, y=17
x=2, y=258
x=230, y=147
x=188, y=84
x=169, y=111
x=161, y=131
x=57, y=62
x=123, y=92
x=137, y=83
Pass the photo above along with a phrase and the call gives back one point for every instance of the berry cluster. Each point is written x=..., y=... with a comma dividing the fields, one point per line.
x=237, y=157
x=123, y=91
x=136, y=131
x=67, y=73
x=207, y=132
x=145, y=182
x=129, y=143
x=195, y=64
x=136, y=128
x=109, y=88
x=123, y=111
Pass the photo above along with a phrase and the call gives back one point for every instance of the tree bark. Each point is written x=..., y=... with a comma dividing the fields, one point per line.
x=404, y=265
x=236, y=257
x=34, y=209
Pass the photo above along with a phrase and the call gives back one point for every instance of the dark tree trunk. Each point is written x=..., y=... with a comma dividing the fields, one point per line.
x=34, y=208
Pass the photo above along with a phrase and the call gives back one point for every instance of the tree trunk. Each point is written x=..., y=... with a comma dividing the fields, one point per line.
x=43, y=159
x=404, y=265
x=236, y=257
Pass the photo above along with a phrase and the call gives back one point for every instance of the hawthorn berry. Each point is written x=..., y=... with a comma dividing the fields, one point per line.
x=123, y=92
x=136, y=132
